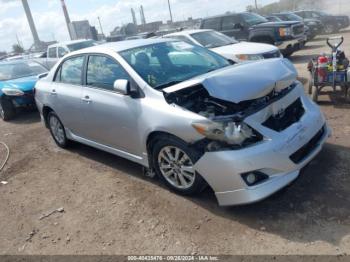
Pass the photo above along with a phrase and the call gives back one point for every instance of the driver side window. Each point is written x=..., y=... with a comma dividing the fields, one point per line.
x=61, y=52
x=102, y=72
x=229, y=22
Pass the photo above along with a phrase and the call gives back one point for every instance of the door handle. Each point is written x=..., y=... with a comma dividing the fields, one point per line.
x=86, y=99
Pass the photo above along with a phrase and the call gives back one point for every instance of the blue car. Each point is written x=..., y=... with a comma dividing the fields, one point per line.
x=17, y=81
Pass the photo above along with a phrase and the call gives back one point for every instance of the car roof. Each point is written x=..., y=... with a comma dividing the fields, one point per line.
x=282, y=13
x=121, y=45
x=189, y=32
x=231, y=14
x=64, y=43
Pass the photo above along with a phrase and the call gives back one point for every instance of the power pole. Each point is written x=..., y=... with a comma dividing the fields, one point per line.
x=99, y=21
x=171, y=15
x=66, y=16
x=37, y=42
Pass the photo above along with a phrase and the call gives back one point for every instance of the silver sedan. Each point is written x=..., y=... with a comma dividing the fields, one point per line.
x=187, y=115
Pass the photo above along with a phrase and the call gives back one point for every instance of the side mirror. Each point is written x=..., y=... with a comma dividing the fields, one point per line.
x=43, y=75
x=121, y=86
x=238, y=26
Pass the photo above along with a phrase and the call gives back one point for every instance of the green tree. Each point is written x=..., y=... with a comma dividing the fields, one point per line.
x=17, y=49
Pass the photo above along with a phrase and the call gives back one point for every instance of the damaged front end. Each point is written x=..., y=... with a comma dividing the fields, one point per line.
x=228, y=97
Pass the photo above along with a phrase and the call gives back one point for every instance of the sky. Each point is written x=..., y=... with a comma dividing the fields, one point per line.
x=50, y=23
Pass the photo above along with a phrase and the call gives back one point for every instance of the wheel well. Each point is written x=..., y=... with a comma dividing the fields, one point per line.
x=263, y=39
x=46, y=111
x=151, y=139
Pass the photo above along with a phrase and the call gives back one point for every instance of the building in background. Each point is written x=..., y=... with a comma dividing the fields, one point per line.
x=82, y=30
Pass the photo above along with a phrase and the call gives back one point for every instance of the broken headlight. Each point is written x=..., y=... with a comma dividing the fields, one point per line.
x=231, y=133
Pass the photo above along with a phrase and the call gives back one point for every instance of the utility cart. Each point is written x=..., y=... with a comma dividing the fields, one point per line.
x=330, y=70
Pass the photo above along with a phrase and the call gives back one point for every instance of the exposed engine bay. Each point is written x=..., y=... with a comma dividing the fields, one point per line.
x=227, y=129
x=198, y=100
x=226, y=97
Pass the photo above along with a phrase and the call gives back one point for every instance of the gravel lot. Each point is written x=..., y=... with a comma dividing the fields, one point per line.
x=110, y=208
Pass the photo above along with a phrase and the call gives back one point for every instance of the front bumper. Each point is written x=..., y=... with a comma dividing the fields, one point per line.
x=26, y=100
x=223, y=170
x=292, y=45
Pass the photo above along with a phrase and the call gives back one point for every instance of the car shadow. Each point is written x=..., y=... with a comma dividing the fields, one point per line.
x=309, y=47
x=26, y=116
x=301, y=212
x=301, y=59
x=335, y=99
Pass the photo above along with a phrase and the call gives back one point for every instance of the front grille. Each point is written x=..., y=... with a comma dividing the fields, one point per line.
x=274, y=54
x=308, y=148
x=286, y=118
x=298, y=29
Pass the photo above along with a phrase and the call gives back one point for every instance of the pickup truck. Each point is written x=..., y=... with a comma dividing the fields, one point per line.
x=331, y=23
x=288, y=36
x=315, y=26
x=56, y=51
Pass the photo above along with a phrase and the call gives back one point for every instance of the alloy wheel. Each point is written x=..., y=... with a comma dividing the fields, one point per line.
x=57, y=129
x=176, y=167
x=329, y=29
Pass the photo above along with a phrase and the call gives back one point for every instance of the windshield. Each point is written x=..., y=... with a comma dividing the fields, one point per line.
x=253, y=19
x=292, y=17
x=81, y=45
x=211, y=39
x=18, y=70
x=165, y=64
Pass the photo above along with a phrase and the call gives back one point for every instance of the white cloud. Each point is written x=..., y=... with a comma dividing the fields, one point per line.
x=51, y=24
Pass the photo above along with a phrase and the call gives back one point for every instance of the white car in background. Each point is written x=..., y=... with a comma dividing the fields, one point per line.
x=229, y=48
x=56, y=51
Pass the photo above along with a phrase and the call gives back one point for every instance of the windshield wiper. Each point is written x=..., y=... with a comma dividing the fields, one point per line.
x=162, y=86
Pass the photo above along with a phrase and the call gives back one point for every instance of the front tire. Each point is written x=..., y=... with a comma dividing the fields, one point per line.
x=7, y=109
x=314, y=94
x=174, y=162
x=330, y=28
x=57, y=130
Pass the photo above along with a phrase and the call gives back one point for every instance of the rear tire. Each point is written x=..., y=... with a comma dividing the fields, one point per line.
x=57, y=130
x=311, y=83
x=314, y=94
x=7, y=109
x=174, y=162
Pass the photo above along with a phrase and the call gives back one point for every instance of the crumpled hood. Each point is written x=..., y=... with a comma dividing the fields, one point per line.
x=245, y=48
x=244, y=81
x=24, y=84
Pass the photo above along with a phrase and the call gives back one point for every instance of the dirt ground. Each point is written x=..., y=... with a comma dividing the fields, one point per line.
x=110, y=208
